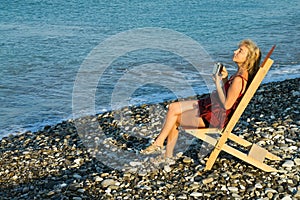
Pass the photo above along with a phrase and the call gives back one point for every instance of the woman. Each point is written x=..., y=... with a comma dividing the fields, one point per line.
x=215, y=110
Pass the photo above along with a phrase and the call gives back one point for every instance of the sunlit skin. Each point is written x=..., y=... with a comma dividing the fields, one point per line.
x=186, y=113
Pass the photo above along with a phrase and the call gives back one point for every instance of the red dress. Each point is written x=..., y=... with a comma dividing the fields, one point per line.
x=211, y=110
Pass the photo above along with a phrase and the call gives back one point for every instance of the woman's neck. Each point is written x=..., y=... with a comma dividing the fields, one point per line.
x=242, y=71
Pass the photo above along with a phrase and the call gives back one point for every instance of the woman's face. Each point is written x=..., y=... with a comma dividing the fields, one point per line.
x=240, y=55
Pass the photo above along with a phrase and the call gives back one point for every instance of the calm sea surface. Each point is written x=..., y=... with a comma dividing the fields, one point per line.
x=44, y=43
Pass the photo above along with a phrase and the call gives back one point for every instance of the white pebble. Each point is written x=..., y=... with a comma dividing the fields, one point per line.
x=233, y=189
x=133, y=164
x=288, y=163
x=242, y=187
x=196, y=194
x=267, y=190
x=78, y=161
x=98, y=179
x=296, y=93
x=293, y=148
x=167, y=168
x=258, y=185
x=182, y=197
x=207, y=180
x=297, y=161
x=108, y=182
x=289, y=140
x=286, y=198
x=223, y=188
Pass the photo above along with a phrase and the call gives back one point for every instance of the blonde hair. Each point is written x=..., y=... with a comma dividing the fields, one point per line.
x=253, y=58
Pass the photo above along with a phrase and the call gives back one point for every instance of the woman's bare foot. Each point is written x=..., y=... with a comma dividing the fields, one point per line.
x=152, y=149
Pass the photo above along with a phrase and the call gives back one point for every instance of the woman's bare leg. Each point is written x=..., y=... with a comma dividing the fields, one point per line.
x=175, y=110
x=186, y=114
x=171, y=142
x=189, y=119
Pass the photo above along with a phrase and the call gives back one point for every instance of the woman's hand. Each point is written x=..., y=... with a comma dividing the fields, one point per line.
x=224, y=73
x=217, y=77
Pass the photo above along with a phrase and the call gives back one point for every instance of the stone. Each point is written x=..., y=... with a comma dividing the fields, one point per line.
x=77, y=176
x=288, y=164
x=258, y=185
x=25, y=189
x=98, y=179
x=142, y=173
x=287, y=198
x=270, y=190
x=81, y=190
x=196, y=194
x=270, y=195
x=233, y=189
x=182, y=197
x=297, y=161
x=296, y=93
x=297, y=195
x=134, y=164
x=51, y=193
x=167, y=168
x=223, y=188
x=108, y=182
x=207, y=180
x=78, y=161
x=187, y=160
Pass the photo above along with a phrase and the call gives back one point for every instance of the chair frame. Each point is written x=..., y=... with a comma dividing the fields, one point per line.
x=256, y=154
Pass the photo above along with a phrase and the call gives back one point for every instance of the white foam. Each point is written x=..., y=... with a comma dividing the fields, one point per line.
x=282, y=73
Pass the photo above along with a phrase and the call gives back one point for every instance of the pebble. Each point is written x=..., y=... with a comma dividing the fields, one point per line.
x=223, y=188
x=297, y=161
x=167, y=168
x=187, y=160
x=108, y=182
x=134, y=164
x=297, y=195
x=98, y=179
x=288, y=164
x=196, y=194
x=142, y=173
x=270, y=190
x=233, y=189
x=258, y=185
x=286, y=198
x=77, y=176
x=207, y=180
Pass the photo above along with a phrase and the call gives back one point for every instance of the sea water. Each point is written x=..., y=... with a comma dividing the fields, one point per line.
x=43, y=45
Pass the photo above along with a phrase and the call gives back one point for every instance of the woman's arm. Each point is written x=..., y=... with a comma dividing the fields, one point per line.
x=233, y=91
x=224, y=74
x=232, y=94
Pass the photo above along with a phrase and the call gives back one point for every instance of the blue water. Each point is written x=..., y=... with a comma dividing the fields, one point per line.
x=43, y=44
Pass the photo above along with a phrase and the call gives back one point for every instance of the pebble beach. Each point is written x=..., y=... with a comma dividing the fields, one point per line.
x=55, y=162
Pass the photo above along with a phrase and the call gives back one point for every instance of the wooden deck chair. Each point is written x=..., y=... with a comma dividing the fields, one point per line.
x=256, y=154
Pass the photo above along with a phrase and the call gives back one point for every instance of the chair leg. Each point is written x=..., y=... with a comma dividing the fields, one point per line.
x=230, y=150
x=212, y=159
x=244, y=157
x=245, y=143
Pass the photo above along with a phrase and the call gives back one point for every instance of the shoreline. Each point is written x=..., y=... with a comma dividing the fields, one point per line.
x=35, y=127
x=54, y=163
